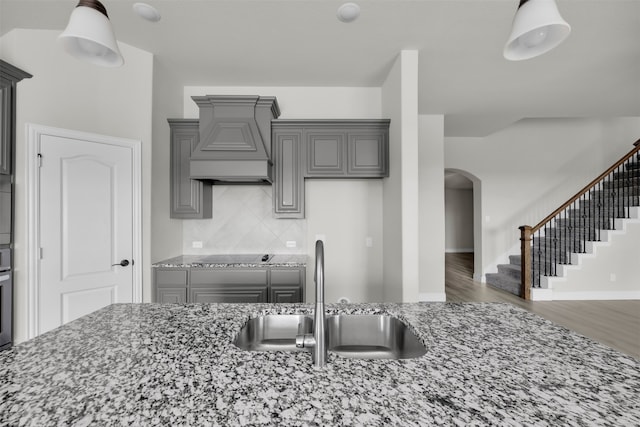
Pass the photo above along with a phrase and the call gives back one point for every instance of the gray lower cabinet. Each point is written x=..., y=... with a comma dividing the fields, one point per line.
x=229, y=285
x=190, y=198
x=324, y=149
x=6, y=210
x=171, y=284
x=286, y=285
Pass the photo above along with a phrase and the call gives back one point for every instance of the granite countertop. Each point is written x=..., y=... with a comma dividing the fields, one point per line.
x=234, y=260
x=152, y=364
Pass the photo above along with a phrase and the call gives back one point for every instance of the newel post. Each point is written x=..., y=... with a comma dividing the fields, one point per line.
x=525, y=261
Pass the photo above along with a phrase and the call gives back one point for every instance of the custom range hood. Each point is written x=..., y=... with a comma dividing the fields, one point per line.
x=235, y=138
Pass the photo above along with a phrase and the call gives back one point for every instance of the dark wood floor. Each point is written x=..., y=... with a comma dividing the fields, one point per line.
x=613, y=323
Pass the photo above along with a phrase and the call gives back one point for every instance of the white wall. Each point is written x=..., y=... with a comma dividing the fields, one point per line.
x=401, y=209
x=610, y=272
x=458, y=207
x=346, y=212
x=67, y=93
x=166, y=233
x=431, y=204
x=530, y=168
x=243, y=223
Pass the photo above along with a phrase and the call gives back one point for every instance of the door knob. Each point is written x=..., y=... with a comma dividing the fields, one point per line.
x=123, y=263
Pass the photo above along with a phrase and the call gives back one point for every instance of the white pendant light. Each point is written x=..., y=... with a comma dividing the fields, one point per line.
x=537, y=28
x=89, y=35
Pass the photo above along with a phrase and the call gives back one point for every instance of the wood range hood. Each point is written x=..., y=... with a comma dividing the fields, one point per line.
x=235, y=138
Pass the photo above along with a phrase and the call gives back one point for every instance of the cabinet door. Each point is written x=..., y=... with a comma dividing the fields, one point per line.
x=325, y=153
x=190, y=198
x=288, y=184
x=5, y=308
x=285, y=294
x=171, y=295
x=5, y=209
x=170, y=284
x=368, y=153
x=287, y=285
x=5, y=127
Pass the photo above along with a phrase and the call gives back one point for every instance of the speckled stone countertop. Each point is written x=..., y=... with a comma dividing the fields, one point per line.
x=176, y=365
x=233, y=260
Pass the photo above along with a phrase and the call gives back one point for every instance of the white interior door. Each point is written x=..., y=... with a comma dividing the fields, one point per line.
x=86, y=225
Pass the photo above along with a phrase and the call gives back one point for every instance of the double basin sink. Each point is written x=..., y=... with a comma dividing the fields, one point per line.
x=371, y=336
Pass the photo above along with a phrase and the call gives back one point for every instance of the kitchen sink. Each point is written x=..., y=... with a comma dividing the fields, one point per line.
x=372, y=336
x=273, y=332
x=348, y=335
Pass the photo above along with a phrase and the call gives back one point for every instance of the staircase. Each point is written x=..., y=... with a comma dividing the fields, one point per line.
x=559, y=237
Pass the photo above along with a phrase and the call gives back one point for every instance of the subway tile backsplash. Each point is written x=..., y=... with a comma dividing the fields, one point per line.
x=243, y=222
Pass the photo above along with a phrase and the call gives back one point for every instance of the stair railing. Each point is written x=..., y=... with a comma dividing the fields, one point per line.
x=592, y=209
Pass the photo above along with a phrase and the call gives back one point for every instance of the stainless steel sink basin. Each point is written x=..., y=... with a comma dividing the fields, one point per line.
x=372, y=337
x=273, y=332
x=353, y=336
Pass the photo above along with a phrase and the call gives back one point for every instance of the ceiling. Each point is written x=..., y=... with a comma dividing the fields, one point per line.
x=462, y=74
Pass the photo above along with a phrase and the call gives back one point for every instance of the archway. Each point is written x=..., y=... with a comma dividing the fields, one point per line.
x=463, y=216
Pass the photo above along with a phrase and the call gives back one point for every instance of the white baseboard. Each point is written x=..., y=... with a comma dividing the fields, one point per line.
x=432, y=297
x=595, y=295
x=541, y=294
x=548, y=294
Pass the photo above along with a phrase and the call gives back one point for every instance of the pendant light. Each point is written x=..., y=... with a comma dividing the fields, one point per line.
x=537, y=28
x=89, y=35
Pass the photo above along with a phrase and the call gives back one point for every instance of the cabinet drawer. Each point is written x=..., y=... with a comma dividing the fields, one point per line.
x=286, y=277
x=238, y=294
x=173, y=277
x=228, y=277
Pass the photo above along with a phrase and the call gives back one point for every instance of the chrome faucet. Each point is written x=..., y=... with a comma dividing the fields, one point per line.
x=318, y=341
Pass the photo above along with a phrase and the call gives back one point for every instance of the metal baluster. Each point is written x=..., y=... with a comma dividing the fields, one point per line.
x=534, y=266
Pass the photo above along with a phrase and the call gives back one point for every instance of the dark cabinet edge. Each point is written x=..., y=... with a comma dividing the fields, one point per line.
x=12, y=72
x=332, y=123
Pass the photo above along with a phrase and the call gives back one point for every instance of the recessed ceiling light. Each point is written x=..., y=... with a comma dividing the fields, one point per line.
x=147, y=12
x=348, y=12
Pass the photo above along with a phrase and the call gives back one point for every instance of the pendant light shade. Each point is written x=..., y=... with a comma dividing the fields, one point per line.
x=89, y=35
x=537, y=28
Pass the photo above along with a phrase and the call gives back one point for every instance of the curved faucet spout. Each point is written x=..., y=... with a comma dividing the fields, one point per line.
x=319, y=354
x=317, y=342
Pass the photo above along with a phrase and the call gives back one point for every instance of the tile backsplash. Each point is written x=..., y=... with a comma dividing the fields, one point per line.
x=243, y=222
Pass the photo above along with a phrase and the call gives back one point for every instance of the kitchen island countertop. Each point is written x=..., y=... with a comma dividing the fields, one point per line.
x=153, y=364
x=233, y=260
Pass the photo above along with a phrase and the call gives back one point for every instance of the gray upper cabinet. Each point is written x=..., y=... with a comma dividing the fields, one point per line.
x=9, y=78
x=288, y=185
x=325, y=153
x=368, y=153
x=190, y=199
x=324, y=149
x=5, y=130
x=346, y=148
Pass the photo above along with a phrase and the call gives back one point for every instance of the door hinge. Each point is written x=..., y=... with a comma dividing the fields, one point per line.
x=40, y=253
x=39, y=160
